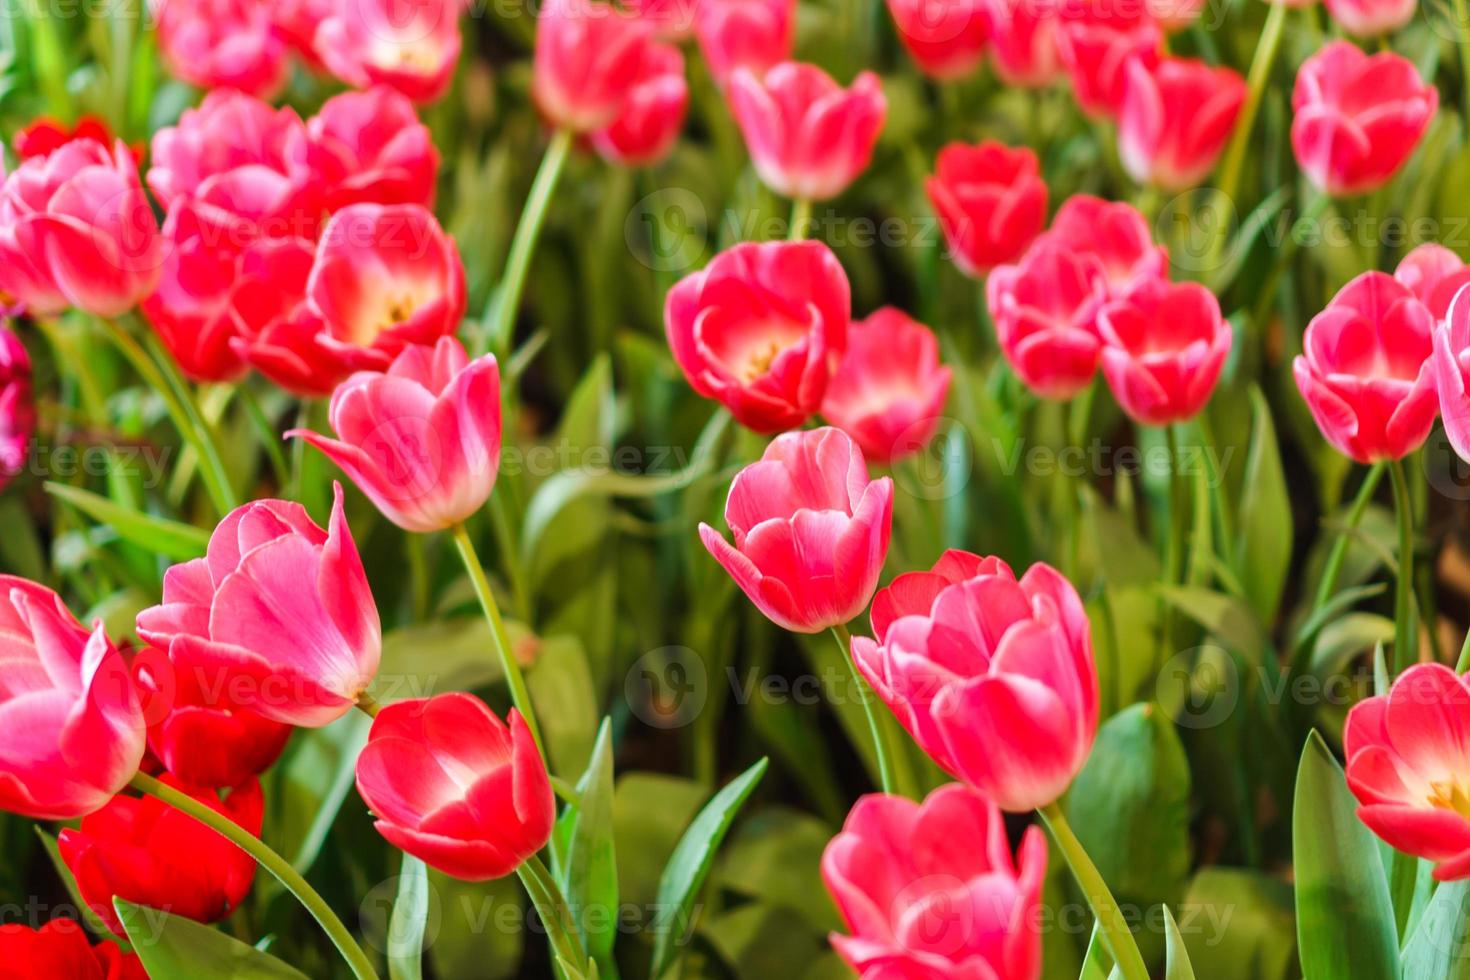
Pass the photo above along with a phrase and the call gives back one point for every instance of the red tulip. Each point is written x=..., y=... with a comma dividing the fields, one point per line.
x=70, y=723
x=759, y=330
x=1044, y=309
x=1164, y=346
x=370, y=148
x=1434, y=274
x=1023, y=41
x=889, y=389
x=991, y=202
x=45, y=135
x=1452, y=371
x=931, y=892
x=589, y=57
x=413, y=47
x=754, y=34
x=222, y=44
x=278, y=614
x=17, y=407
x=808, y=137
x=671, y=20
x=1371, y=18
x=1111, y=235
x=144, y=851
x=993, y=677
x=811, y=530
x=946, y=37
x=1358, y=117
x=59, y=951
x=1097, y=45
x=1366, y=370
x=1175, y=119
x=1406, y=763
x=455, y=787
x=648, y=125
x=296, y=21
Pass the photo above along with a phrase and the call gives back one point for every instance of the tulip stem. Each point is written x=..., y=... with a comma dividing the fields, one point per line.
x=865, y=694
x=552, y=907
x=506, y=300
x=1462, y=19
x=1335, y=557
x=1403, y=615
x=368, y=705
x=1114, y=927
x=513, y=677
x=362, y=966
x=801, y=219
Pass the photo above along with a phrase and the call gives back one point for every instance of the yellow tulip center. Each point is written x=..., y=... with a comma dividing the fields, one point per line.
x=1450, y=794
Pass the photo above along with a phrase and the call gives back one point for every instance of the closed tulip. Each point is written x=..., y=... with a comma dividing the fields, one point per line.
x=946, y=38
x=70, y=722
x=1044, y=308
x=370, y=148
x=931, y=891
x=422, y=440
x=1096, y=47
x=59, y=950
x=1371, y=18
x=144, y=851
x=992, y=676
x=277, y=615
x=1357, y=117
x=648, y=125
x=222, y=44
x=1366, y=370
x=1023, y=41
x=1175, y=119
x=1164, y=346
x=413, y=48
x=991, y=202
x=1451, y=376
x=589, y=56
x=17, y=406
x=808, y=137
x=456, y=787
x=1113, y=236
x=753, y=34
x=1434, y=274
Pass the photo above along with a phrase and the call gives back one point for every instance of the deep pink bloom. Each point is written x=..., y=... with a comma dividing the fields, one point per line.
x=648, y=125
x=760, y=329
x=1113, y=236
x=45, y=135
x=1044, y=309
x=1358, y=117
x=1366, y=369
x=1164, y=345
x=589, y=57
x=296, y=21
x=278, y=615
x=946, y=37
x=454, y=786
x=1175, y=119
x=808, y=137
x=1408, y=752
x=671, y=20
x=991, y=202
x=890, y=388
x=1023, y=41
x=753, y=34
x=412, y=47
x=17, y=406
x=142, y=850
x=370, y=148
x=1451, y=377
x=1434, y=274
x=77, y=230
x=931, y=892
x=1096, y=46
x=59, y=950
x=993, y=677
x=1371, y=18
x=70, y=722
x=222, y=44
x=421, y=440
x=811, y=530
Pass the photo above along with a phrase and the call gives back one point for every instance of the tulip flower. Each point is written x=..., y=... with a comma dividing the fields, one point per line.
x=1096, y=48
x=45, y=135
x=589, y=57
x=753, y=34
x=808, y=137
x=648, y=125
x=70, y=723
x=1366, y=370
x=946, y=37
x=1434, y=274
x=992, y=676
x=1358, y=117
x=759, y=330
x=1371, y=18
x=1406, y=764
x=421, y=440
x=1451, y=362
x=991, y=202
x=17, y=409
x=890, y=388
x=1111, y=235
x=59, y=950
x=811, y=530
x=413, y=48
x=222, y=44
x=930, y=890
x=1023, y=41
x=278, y=614
x=144, y=851
x=1044, y=309
x=1175, y=119
x=296, y=21
x=672, y=21
x=454, y=786
x=370, y=148
x=1164, y=346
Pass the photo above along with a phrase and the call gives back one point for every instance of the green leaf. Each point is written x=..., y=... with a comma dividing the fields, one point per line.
x=171, y=539
x=1098, y=963
x=1177, y=966
x=591, y=877
x=1234, y=622
x=1438, y=948
x=444, y=655
x=565, y=702
x=1347, y=636
x=175, y=948
x=775, y=857
x=689, y=866
x=406, y=925
x=1243, y=926
x=92, y=919
x=309, y=786
x=650, y=813
x=1345, y=921
x=1266, y=531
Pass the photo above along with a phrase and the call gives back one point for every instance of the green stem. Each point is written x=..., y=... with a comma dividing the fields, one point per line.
x=552, y=907
x=1462, y=18
x=1114, y=927
x=513, y=677
x=1403, y=616
x=362, y=966
x=880, y=746
x=1174, y=543
x=507, y=297
x=1220, y=491
x=1260, y=73
x=801, y=219
x=1463, y=664
x=1335, y=557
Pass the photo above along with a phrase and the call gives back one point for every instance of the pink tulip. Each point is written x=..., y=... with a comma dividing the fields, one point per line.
x=993, y=677
x=589, y=57
x=278, y=614
x=808, y=137
x=17, y=406
x=421, y=440
x=648, y=125
x=222, y=44
x=1098, y=45
x=931, y=892
x=413, y=47
x=754, y=34
x=1366, y=370
x=946, y=37
x=1164, y=346
x=890, y=388
x=1451, y=363
x=1434, y=274
x=1371, y=18
x=672, y=21
x=452, y=785
x=77, y=230
x=1175, y=119
x=296, y=21
x=1044, y=309
x=811, y=530
x=370, y=148
x=1111, y=235
x=1408, y=752
x=991, y=202
x=1358, y=117
x=760, y=329
x=1023, y=41
x=70, y=723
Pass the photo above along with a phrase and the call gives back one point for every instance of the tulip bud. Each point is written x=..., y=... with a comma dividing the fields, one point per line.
x=991, y=202
x=1175, y=119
